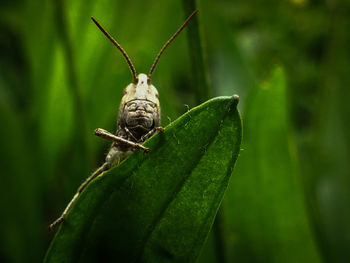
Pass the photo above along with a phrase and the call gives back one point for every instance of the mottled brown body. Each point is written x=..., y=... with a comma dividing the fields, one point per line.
x=138, y=118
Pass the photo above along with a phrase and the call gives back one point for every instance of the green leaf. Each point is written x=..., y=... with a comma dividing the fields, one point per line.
x=20, y=235
x=195, y=43
x=159, y=206
x=265, y=218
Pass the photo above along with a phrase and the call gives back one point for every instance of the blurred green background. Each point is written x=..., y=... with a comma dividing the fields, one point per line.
x=60, y=78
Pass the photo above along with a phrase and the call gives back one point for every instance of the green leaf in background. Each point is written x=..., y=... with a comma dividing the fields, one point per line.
x=264, y=216
x=160, y=206
x=20, y=212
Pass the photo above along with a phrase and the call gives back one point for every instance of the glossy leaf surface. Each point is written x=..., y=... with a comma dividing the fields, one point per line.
x=157, y=207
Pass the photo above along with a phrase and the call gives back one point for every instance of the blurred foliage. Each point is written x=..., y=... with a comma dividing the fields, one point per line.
x=277, y=229
x=60, y=78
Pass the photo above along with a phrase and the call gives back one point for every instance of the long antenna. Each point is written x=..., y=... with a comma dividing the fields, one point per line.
x=131, y=66
x=168, y=43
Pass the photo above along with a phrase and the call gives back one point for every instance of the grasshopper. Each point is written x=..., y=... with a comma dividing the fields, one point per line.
x=138, y=117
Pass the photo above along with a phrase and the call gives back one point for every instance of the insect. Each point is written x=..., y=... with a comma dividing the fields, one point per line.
x=138, y=117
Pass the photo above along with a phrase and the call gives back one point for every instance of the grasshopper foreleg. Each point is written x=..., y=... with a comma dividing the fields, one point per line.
x=151, y=133
x=111, y=137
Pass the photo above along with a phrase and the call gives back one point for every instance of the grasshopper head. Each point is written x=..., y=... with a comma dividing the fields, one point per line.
x=139, y=109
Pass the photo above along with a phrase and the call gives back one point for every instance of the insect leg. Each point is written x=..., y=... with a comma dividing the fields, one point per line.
x=103, y=167
x=150, y=133
x=111, y=137
x=130, y=134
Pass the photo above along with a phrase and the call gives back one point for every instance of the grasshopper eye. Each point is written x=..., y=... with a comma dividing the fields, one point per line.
x=156, y=93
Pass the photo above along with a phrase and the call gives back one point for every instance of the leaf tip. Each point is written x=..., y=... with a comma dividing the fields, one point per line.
x=235, y=98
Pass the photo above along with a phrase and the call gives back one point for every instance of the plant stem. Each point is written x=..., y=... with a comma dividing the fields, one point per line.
x=199, y=66
x=81, y=130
